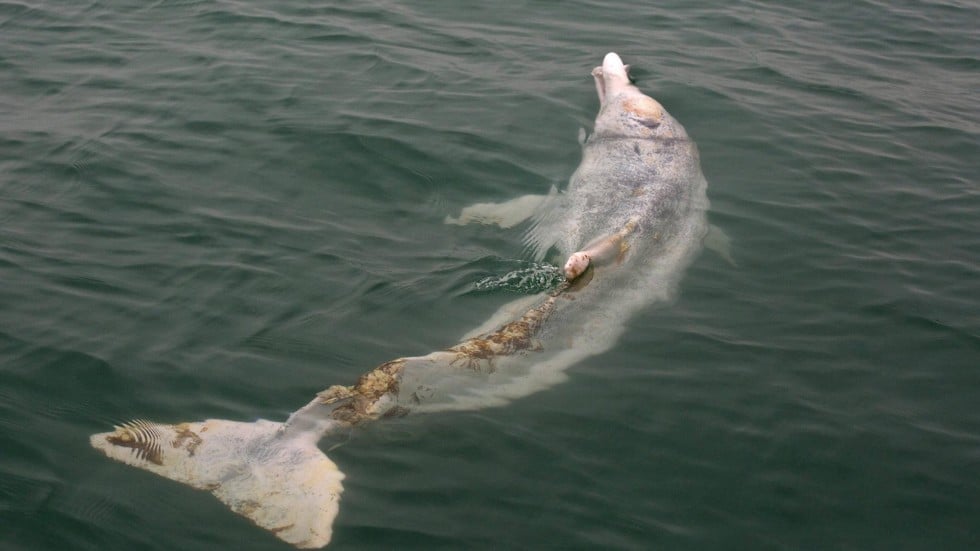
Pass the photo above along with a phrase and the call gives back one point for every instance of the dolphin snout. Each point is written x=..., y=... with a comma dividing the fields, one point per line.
x=613, y=68
x=612, y=63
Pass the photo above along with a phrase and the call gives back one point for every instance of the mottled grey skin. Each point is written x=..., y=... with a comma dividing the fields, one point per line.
x=638, y=166
x=634, y=214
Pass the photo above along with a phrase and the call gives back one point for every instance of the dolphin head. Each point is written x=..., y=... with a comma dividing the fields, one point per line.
x=625, y=111
x=612, y=77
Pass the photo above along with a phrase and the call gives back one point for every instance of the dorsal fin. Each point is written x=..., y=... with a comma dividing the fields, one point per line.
x=718, y=241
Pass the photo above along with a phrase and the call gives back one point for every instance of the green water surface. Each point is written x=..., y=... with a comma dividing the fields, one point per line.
x=216, y=209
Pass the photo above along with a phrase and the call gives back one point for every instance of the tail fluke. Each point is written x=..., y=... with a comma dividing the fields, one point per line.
x=279, y=479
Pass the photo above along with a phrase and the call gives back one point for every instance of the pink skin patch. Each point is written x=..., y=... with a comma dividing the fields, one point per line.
x=577, y=264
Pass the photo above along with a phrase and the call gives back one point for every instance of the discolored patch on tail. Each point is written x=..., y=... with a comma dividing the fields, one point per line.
x=140, y=436
x=366, y=399
x=517, y=336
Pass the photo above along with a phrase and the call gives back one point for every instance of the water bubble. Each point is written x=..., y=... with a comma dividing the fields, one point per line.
x=531, y=279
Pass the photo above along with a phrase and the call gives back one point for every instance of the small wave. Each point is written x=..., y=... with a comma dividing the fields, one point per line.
x=531, y=279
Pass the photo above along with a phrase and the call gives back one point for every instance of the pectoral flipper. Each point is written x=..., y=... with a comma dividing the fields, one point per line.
x=506, y=214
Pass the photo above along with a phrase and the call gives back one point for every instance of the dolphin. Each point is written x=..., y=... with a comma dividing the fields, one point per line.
x=632, y=218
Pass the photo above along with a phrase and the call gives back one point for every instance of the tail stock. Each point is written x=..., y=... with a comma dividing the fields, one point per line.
x=274, y=473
